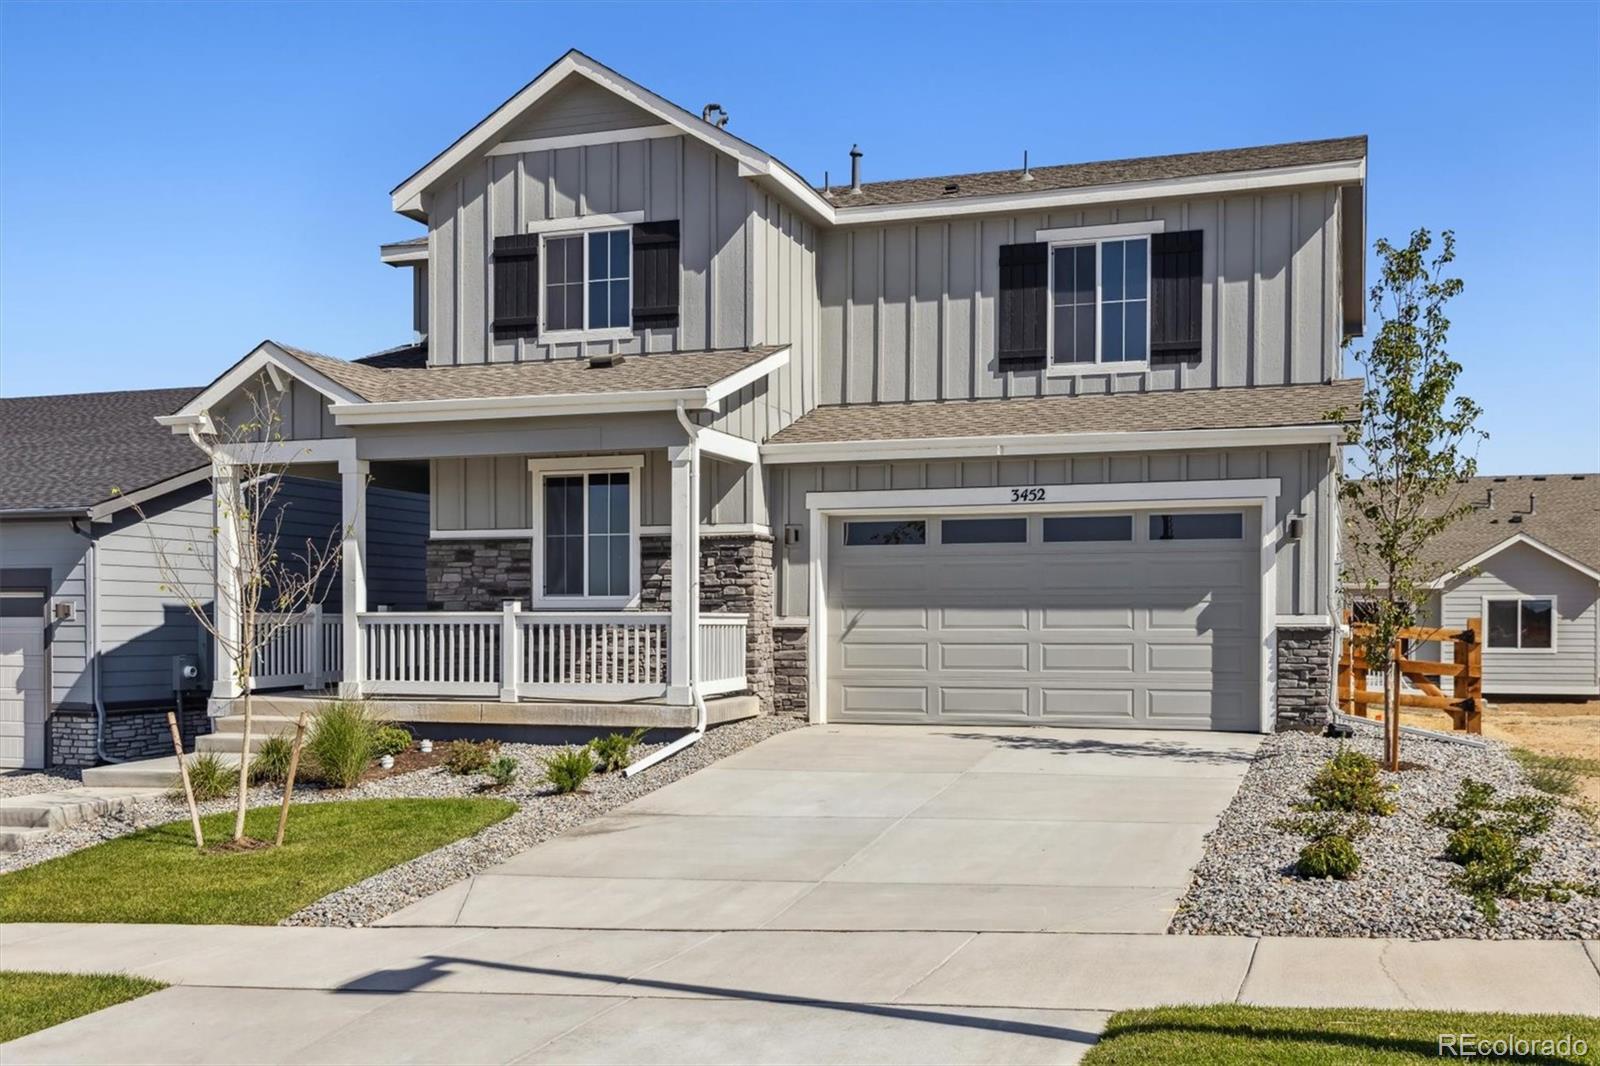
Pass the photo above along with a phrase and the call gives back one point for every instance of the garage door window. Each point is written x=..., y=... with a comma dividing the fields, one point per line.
x=1196, y=526
x=885, y=534
x=984, y=531
x=1088, y=529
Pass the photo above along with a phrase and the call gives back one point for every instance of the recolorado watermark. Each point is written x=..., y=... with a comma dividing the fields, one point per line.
x=1473, y=1046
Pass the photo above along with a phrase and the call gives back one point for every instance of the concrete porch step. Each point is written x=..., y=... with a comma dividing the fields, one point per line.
x=228, y=743
x=53, y=810
x=159, y=773
x=260, y=724
x=13, y=838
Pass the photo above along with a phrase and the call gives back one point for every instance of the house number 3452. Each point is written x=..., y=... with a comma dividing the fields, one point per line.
x=1027, y=495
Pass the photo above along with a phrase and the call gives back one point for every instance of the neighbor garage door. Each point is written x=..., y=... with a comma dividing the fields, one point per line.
x=1133, y=618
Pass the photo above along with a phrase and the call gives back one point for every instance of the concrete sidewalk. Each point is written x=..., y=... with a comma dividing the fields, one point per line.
x=546, y=995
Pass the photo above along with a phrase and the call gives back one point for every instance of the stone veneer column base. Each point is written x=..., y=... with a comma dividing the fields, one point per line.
x=133, y=734
x=1304, y=696
x=791, y=682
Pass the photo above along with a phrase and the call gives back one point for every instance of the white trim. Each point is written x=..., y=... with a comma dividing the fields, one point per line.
x=1354, y=170
x=583, y=140
x=735, y=529
x=480, y=534
x=1520, y=598
x=1100, y=365
x=1517, y=538
x=1085, y=234
x=1544, y=689
x=289, y=452
x=574, y=403
x=556, y=227
x=1050, y=443
x=720, y=390
x=791, y=623
x=539, y=468
x=727, y=446
x=403, y=253
x=1305, y=621
x=263, y=355
x=1261, y=493
x=102, y=512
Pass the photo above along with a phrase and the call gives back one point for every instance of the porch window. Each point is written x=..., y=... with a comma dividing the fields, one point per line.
x=1522, y=624
x=588, y=281
x=586, y=532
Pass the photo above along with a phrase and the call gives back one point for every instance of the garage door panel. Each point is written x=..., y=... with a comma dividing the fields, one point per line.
x=1065, y=704
x=1206, y=616
x=1094, y=658
x=996, y=656
x=869, y=618
x=1060, y=574
x=1193, y=704
x=973, y=574
x=909, y=702
x=863, y=656
x=1087, y=617
x=997, y=702
x=22, y=696
x=1180, y=658
x=981, y=617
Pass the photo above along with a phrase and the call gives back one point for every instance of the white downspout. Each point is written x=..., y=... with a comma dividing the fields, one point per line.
x=693, y=736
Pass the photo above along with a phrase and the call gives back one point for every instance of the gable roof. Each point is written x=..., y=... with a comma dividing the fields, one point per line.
x=1108, y=172
x=66, y=454
x=1564, y=522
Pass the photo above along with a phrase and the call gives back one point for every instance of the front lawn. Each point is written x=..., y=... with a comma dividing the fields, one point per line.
x=157, y=875
x=33, y=1001
x=1225, y=1035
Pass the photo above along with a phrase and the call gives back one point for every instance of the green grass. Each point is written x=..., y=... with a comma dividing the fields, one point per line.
x=33, y=1001
x=157, y=875
x=1555, y=774
x=1270, y=1036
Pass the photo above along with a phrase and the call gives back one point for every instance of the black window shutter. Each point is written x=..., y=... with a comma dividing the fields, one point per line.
x=1024, y=305
x=655, y=275
x=516, y=285
x=1175, y=282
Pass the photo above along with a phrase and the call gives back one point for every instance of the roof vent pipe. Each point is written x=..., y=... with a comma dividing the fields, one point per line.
x=1491, y=497
x=827, y=185
x=855, y=168
x=1533, y=501
x=721, y=121
x=1027, y=174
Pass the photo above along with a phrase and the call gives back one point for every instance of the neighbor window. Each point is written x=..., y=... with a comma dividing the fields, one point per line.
x=1085, y=529
x=588, y=281
x=1526, y=624
x=1196, y=526
x=863, y=534
x=1100, y=302
x=984, y=531
x=587, y=536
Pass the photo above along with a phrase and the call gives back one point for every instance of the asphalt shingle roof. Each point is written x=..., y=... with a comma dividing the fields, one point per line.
x=1108, y=172
x=1233, y=408
x=69, y=452
x=1565, y=515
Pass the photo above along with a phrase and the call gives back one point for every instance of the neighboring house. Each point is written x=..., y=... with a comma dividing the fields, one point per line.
x=1029, y=446
x=88, y=626
x=1525, y=560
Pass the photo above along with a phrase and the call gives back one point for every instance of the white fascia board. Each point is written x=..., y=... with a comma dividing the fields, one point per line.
x=1094, y=233
x=591, y=403
x=1514, y=539
x=583, y=140
x=103, y=511
x=1201, y=185
x=1057, y=497
x=720, y=390
x=1048, y=444
x=288, y=452
x=584, y=222
x=403, y=254
x=407, y=197
x=265, y=355
x=727, y=446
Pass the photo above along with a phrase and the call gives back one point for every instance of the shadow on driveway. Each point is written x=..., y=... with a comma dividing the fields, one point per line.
x=1130, y=749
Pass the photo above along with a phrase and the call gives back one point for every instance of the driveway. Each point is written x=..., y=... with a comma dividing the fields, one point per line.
x=882, y=828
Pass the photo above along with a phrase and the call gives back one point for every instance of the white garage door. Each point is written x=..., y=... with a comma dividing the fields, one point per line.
x=22, y=700
x=1135, y=618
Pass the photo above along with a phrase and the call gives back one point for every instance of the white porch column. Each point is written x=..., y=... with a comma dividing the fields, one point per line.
x=685, y=569
x=227, y=503
x=353, y=572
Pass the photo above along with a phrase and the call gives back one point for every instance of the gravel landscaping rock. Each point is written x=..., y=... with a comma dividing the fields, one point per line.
x=32, y=782
x=1244, y=884
x=541, y=815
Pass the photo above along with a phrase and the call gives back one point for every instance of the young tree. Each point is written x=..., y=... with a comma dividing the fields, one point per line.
x=1411, y=451
x=242, y=560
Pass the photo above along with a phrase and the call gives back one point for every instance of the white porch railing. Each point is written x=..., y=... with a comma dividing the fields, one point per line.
x=722, y=645
x=606, y=656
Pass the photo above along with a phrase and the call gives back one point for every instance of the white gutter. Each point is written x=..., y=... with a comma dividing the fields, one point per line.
x=693, y=736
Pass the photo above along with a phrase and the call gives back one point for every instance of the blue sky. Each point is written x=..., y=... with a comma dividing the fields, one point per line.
x=179, y=181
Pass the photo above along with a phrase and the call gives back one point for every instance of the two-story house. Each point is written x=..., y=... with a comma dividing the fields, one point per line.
x=1046, y=445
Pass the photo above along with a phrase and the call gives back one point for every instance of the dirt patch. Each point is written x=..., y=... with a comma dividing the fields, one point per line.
x=1569, y=728
x=229, y=847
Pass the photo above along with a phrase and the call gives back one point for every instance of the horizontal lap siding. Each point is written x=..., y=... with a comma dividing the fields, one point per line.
x=1524, y=571
x=908, y=310
x=1305, y=475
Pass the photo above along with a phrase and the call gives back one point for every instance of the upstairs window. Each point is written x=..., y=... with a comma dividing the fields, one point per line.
x=1100, y=303
x=588, y=281
x=1522, y=624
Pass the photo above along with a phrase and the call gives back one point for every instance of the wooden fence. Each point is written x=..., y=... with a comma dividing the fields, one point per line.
x=1422, y=680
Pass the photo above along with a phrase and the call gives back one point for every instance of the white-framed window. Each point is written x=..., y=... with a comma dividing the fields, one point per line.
x=1099, y=303
x=586, y=283
x=1520, y=623
x=586, y=531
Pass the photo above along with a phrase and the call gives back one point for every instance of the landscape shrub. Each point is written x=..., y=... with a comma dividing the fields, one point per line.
x=209, y=777
x=470, y=757
x=340, y=743
x=270, y=765
x=1349, y=782
x=1321, y=826
x=502, y=772
x=390, y=740
x=1330, y=856
x=1486, y=842
x=567, y=769
x=615, y=752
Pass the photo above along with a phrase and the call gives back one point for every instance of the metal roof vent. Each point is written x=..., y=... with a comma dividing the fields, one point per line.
x=1027, y=175
x=855, y=168
x=952, y=187
x=602, y=360
x=721, y=117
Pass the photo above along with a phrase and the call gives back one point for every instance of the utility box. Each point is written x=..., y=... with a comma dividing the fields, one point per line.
x=186, y=673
